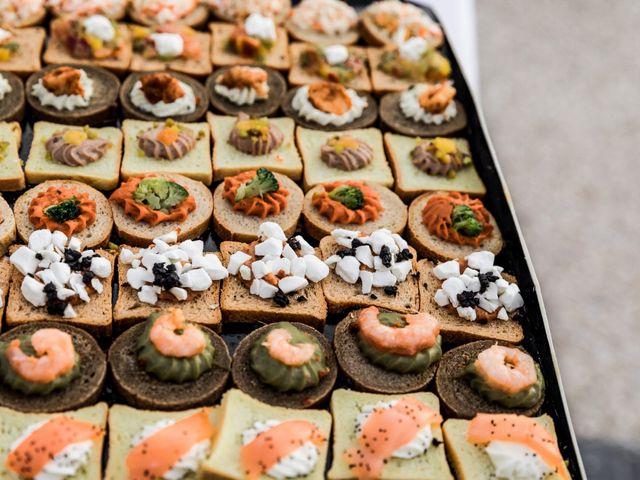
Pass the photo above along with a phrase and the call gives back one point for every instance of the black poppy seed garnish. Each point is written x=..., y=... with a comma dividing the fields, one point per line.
x=356, y=242
x=404, y=255
x=346, y=252
x=486, y=279
x=294, y=243
x=392, y=290
x=165, y=276
x=281, y=299
x=468, y=299
x=385, y=256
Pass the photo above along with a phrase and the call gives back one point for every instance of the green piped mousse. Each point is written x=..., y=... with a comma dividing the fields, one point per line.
x=526, y=398
x=395, y=362
x=283, y=377
x=14, y=381
x=168, y=368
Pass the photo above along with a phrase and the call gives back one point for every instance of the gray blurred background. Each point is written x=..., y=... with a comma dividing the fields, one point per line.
x=560, y=90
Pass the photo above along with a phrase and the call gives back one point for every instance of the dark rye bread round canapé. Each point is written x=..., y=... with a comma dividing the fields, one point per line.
x=83, y=390
x=393, y=118
x=144, y=390
x=129, y=110
x=364, y=374
x=368, y=117
x=13, y=104
x=260, y=108
x=103, y=104
x=455, y=392
x=249, y=382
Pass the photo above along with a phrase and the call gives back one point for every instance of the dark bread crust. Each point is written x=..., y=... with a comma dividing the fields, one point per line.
x=392, y=117
x=13, y=105
x=83, y=391
x=262, y=108
x=103, y=105
x=143, y=390
x=367, y=376
x=458, y=398
x=248, y=381
x=129, y=110
x=368, y=117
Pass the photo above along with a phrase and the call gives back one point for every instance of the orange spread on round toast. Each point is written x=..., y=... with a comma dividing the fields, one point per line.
x=271, y=203
x=336, y=212
x=55, y=195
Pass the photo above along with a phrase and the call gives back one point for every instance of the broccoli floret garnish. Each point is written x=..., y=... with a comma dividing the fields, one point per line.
x=159, y=194
x=263, y=182
x=350, y=197
x=464, y=221
x=63, y=211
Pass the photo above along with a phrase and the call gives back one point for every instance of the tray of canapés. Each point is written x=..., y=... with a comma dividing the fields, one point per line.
x=260, y=248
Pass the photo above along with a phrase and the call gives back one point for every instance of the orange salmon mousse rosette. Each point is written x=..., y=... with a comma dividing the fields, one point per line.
x=387, y=430
x=39, y=449
x=502, y=435
x=63, y=209
x=261, y=204
x=348, y=202
x=274, y=444
x=159, y=450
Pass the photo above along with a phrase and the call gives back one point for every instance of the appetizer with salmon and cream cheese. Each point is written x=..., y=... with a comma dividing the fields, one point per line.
x=324, y=22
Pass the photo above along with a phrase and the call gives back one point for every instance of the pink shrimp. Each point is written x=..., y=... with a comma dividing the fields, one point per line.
x=174, y=337
x=509, y=370
x=279, y=345
x=421, y=332
x=54, y=356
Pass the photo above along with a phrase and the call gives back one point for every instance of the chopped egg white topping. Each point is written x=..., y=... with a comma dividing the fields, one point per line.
x=305, y=108
x=481, y=283
x=260, y=27
x=298, y=463
x=411, y=108
x=64, y=102
x=514, y=461
x=293, y=267
x=381, y=259
x=168, y=266
x=56, y=270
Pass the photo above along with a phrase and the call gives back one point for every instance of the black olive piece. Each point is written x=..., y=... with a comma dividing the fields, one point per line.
x=294, y=243
x=385, y=256
x=468, y=299
x=281, y=299
x=393, y=290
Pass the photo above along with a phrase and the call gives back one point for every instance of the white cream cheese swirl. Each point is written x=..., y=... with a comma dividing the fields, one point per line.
x=5, y=86
x=305, y=108
x=181, y=106
x=514, y=461
x=64, y=102
x=416, y=447
x=241, y=96
x=411, y=108
x=298, y=463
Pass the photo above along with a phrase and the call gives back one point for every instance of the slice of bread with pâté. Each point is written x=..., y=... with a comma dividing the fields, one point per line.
x=195, y=164
x=239, y=413
x=27, y=59
x=238, y=304
x=455, y=329
x=142, y=233
x=346, y=408
x=82, y=390
x=228, y=160
x=102, y=173
x=434, y=247
x=316, y=171
x=459, y=398
x=7, y=226
x=247, y=379
x=231, y=222
x=126, y=424
x=393, y=216
x=11, y=174
x=95, y=233
x=13, y=425
x=411, y=181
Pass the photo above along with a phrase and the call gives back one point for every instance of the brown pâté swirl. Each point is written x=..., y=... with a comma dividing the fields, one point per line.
x=346, y=153
x=255, y=136
x=88, y=151
x=152, y=147
x=424, y=156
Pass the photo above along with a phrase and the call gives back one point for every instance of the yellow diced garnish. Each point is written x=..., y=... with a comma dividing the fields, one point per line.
x=94, y=42
x=444, y=145
x=5, y=54
x=74, y=137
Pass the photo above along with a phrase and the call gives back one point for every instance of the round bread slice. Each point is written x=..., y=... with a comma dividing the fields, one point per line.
x=94, y=235
x=131, y=111
x=367, y=376
x=393, y=118
x=347, y=38
x=35, y=19
x=368, y=117
x=230, y=224
x=7, y=226
x=261, y=108
x=245, y=6
x=371, y=33
x=13, y=104
x=141, y=234
x=458, y=398
x=432, y=246
x=249, y=382
x=197, y=18
x=393, y=217
x=144, y=390
x=103, y=104
x=82, y=391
